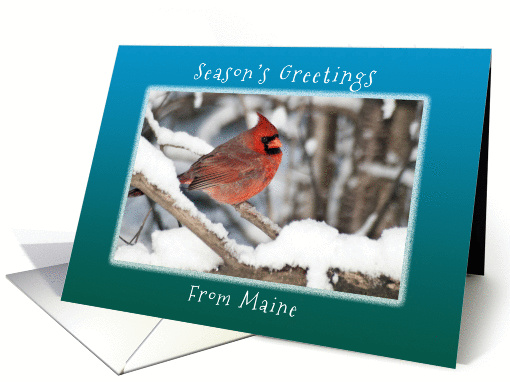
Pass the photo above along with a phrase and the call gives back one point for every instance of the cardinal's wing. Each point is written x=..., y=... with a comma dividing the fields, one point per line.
x=219, y=168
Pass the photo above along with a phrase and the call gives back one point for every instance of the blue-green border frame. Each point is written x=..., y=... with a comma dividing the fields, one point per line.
x=425, y=326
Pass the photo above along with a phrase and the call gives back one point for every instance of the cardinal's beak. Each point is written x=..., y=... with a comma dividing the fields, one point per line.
x=275, y=144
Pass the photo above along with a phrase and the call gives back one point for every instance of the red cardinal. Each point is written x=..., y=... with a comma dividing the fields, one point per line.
x=239, y=168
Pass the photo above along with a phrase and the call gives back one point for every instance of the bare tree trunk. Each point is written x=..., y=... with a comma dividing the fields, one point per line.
x=372, y=202
x=323, y=160
x=360, y=195
x=319, y=162
x=399, y=148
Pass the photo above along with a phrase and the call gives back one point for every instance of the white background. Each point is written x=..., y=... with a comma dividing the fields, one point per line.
x=56, y=61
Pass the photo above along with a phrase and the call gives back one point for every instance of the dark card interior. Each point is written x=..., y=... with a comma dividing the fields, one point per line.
x=476, y=260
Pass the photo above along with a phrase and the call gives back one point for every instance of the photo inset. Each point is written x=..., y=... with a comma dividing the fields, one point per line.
x=301, y=190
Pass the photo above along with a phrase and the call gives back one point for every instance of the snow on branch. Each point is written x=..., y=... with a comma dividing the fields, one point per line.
x=155, y=175
x=179, y=140
x=318, y=247
x=265, y=224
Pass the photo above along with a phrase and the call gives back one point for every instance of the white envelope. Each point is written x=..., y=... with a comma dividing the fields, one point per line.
x=123, y=341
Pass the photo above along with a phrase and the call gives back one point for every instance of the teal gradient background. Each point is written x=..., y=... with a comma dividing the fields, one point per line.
x=425, y=327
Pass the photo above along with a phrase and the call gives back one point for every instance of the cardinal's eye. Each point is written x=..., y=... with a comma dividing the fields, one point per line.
x=265, y=139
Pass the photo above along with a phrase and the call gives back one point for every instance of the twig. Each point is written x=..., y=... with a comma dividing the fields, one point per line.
x=237, y=222
x=169, y=105
x=137, y=234
x=157, y=216
x=265, y=224
x=384, y=207
x=180, y=147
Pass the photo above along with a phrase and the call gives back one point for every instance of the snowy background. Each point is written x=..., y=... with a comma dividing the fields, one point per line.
x=342, y=193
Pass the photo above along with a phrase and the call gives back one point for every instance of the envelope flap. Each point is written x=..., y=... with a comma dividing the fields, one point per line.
x=171, y=339
x=111, y=335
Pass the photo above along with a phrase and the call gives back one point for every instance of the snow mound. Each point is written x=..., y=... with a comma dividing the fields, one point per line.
x=318, y=247
x=180, y=248
x=134, y=254
x=176, y=248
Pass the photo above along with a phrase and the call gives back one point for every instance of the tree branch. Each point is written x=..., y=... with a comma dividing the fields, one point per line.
x=265, y=224
x=231, y=266
x=217, y=244
x=350, y=282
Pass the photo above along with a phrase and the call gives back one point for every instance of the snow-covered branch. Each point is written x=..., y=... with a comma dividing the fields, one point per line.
x=265, y=224
x=227, y=249
x=197, y=224
x=179, y=140
x=305, y=253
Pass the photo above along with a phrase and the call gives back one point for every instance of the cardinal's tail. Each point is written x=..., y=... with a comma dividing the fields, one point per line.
x=135, y=192
x=184, y=178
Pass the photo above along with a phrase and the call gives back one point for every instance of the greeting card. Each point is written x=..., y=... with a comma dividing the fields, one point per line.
x=323, y=195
